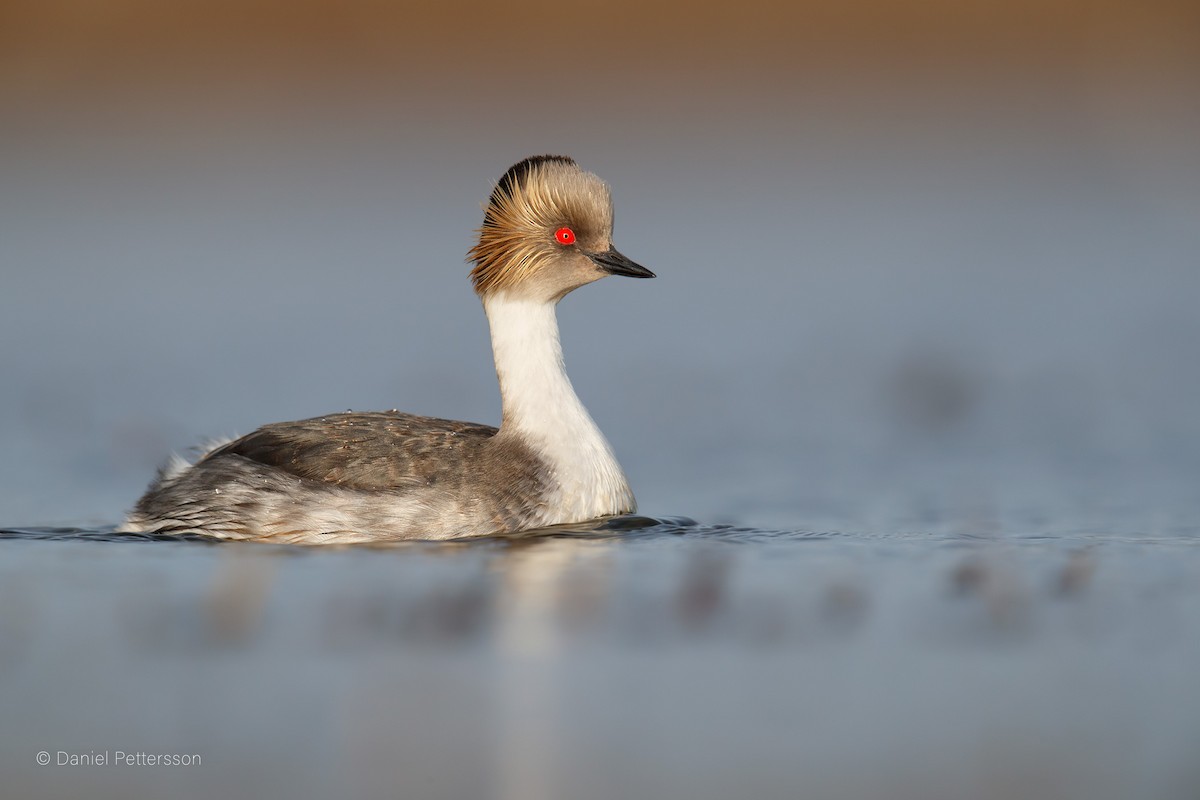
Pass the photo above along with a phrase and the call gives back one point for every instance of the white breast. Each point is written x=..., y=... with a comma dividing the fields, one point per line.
x=541, y=407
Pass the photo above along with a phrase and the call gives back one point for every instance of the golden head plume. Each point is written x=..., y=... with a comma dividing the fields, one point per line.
x=532, y=200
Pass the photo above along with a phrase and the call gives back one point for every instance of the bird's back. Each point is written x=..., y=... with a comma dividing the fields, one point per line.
x=373, y=451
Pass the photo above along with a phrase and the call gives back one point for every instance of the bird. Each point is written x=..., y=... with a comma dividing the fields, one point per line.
x=357, y=477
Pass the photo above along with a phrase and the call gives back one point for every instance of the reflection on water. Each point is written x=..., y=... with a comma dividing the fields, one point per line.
x=639, y=657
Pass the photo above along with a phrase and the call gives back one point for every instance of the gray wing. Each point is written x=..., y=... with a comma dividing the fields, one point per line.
x=366, y=450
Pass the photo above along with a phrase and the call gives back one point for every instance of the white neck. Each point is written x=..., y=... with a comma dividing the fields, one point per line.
x=541, y=407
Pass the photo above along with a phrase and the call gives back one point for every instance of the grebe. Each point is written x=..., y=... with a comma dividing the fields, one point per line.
x=360, y=477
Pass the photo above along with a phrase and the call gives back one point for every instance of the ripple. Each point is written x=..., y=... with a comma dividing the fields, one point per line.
x=101, y=534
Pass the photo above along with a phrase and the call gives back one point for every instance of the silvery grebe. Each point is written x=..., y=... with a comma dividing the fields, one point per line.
x=360, y=477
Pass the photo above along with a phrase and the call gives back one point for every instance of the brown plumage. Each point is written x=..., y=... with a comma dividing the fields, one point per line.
x=373, y=451
x=367, y=466
x=535, y=198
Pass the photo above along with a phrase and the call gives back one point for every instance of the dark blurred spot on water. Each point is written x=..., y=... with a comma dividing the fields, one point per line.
x=932, y=393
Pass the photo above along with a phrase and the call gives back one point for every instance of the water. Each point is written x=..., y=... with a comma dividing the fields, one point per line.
x=638, y=657
x=920, y=363
x=948, y=518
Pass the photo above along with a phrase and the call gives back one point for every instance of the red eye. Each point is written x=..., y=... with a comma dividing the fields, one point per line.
x=564, y=236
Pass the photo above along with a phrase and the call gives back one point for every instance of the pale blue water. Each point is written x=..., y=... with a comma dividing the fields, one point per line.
x=655, y=657
x=931, y=398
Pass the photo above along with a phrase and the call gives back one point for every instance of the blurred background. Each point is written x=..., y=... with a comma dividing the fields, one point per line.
x=926, y=306
x=916, y=259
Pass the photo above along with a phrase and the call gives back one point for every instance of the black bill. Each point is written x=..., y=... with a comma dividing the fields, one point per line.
x=614, y=263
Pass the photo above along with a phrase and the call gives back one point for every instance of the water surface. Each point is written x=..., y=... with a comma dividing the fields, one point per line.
x=642, y=657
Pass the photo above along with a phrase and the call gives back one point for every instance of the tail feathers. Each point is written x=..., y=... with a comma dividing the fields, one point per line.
x=177, y=465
